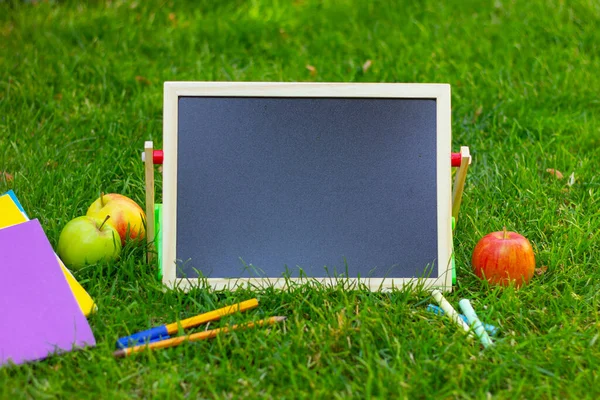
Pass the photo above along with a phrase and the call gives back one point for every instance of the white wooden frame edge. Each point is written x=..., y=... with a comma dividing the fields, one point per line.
x=439, y=92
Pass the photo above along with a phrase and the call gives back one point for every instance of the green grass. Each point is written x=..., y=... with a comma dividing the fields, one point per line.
x=81, y=90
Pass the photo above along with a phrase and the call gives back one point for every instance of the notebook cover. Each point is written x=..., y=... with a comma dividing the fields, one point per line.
x=38, y=312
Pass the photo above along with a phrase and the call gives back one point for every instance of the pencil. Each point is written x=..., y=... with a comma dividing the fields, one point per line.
x=211, y=315
x=164, y=331
x=194, y=337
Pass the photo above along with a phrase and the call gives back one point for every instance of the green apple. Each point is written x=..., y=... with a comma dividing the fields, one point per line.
x=88, y=240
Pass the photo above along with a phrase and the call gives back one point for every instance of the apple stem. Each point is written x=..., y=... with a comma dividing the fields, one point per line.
x=505, y=236
x=102, y=198
x=103, y=222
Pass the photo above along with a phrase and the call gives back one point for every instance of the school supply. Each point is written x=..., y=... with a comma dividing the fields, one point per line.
x=450, y=311
x=39, y=315
x=490, y=329
x=474, y=322
x=163, y=332
x=268, y=263
x=194, y=337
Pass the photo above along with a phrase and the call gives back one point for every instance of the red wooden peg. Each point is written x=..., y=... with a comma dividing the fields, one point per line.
x=157, y=157
x=455, y=159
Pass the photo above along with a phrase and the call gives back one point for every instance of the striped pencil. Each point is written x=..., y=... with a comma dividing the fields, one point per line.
x=164, y=331
x=176, y=341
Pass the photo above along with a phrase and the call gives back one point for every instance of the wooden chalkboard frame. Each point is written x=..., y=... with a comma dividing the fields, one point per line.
x=439, y=92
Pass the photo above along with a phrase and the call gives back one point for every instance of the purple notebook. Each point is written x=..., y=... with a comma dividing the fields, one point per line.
x=38, y=312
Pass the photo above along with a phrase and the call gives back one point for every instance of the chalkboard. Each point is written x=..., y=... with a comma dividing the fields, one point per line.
x=270, y=182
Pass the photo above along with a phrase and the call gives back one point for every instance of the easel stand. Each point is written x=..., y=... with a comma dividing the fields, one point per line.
x=152, y=157
x=462, y=161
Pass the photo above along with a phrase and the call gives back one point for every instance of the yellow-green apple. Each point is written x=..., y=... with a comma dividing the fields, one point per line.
x=504, y=258
x=88, y=240
x=126, y=216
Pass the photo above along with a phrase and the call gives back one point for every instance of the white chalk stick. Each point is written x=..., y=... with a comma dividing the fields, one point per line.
x=450, y=311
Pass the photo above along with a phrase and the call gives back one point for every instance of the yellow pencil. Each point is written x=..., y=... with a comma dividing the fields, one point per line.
x=211, y=315
x=194, y=337
x=163, y=331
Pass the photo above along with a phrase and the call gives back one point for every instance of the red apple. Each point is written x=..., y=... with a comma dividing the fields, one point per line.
x=88, y=240
x=126, y=216
x=504, y=258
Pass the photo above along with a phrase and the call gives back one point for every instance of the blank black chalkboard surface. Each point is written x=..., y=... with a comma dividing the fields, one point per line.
x=267, y=183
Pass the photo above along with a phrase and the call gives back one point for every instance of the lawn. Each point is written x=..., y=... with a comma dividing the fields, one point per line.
x=81, y=90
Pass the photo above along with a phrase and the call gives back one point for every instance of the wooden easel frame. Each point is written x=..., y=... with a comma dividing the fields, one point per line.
x=148, y=159
x=459, y=180
x=175, y=89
